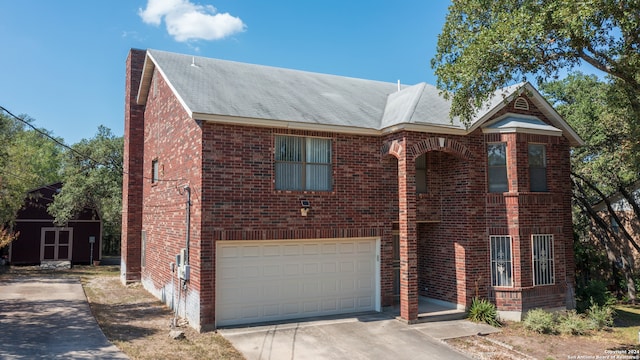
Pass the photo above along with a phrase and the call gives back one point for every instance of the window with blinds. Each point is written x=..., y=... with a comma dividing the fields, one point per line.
x=303, y=163
x=501, y=265
x=537, y=167
x=543, y=260
x=497, y=163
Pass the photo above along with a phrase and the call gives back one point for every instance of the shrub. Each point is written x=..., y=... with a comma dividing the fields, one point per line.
x=600, y=316
x=482, y=310
x=572, y=323
x=540, y=321
x=595, y=291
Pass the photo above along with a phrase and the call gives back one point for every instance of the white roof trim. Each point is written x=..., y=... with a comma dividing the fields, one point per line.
x=542, y=104
x=242, y=121
x=520, y=126
x=145, y=84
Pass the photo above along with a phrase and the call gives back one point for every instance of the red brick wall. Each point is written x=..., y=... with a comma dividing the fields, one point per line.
x=522, y=213
x=174, y=140
x=230, y=171
x=132, y=166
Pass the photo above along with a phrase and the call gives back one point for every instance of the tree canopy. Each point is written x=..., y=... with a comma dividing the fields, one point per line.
x=28, y=159
x=606, y=164
x=92, y=179
x=91, y=173
x=488, y=44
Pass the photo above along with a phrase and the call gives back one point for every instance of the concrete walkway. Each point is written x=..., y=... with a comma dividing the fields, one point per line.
x=367, y=336
x=47, y=318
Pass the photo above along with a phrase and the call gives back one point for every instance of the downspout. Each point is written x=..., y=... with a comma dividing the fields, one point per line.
x=188, y=235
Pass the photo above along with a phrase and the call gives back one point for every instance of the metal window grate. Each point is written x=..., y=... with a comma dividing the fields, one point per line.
x=501, y=265
x=543, y=264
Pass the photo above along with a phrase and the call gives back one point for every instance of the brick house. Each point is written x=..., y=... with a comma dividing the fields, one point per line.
x=628, y=224
x=310, y=194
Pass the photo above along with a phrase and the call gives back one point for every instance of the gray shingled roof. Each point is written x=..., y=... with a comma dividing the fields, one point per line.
x=225, y=89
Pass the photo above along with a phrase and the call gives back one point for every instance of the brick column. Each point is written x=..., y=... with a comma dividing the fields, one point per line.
x=132, y=181
x=408, y=237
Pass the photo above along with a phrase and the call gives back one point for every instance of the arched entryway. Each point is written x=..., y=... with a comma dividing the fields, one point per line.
x=425, y=168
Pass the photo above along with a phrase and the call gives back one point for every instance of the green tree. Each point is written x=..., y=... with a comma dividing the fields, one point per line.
x=606, y=164
x=488, y=44
x=92, y=179
x=28, y=160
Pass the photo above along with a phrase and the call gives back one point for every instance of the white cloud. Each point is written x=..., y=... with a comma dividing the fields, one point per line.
x=187, y=21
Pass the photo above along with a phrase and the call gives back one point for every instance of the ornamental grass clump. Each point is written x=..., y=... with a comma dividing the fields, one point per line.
x=540, y=321
x=600, y=316
x=572, y=323
x=481, y=310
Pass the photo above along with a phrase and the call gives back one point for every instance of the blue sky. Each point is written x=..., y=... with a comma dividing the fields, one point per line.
x=63, y=62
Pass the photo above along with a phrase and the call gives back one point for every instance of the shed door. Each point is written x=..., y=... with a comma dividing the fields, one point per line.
x=259, y=281
x=56, y=244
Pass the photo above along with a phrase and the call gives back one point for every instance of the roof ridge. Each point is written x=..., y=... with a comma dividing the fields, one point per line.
x=401, y=105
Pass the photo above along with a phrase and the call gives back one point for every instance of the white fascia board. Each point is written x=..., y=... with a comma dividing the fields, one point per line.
x=554, y=117
x=486, y=129
x=284, y=124
x=511, y=130
x=426, y=128
x=147, y=79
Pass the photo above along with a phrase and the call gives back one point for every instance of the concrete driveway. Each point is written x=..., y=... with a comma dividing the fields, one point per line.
x=48, y=318
x=369, y=336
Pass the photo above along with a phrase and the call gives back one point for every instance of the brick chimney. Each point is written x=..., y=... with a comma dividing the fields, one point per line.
x=132, y=181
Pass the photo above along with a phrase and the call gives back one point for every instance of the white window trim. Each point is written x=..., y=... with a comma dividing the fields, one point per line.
x=56, y=243
x=491, y=261
x=551, y=259
x=506, y=165
x=546, y=166
x=155, y=171
x=330, y=163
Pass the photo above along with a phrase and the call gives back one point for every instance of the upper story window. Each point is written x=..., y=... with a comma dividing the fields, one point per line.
x=155, y=171
x=537, y=167
x=497, y=166
x=421, y=174
x=302, y=163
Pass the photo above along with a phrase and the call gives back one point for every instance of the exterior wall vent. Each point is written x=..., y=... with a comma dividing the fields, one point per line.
x=521, y=104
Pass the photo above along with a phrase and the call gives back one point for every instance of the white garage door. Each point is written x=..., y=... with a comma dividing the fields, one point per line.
x=260, y=281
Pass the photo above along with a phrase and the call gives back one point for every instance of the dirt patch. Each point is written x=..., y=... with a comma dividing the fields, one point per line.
x=514, y=342
x=134, y=320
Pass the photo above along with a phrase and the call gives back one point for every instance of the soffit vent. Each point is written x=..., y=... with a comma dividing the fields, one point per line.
x=521, y=104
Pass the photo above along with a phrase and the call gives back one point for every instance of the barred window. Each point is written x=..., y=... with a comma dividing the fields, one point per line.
x=543, y=260
x=302, y=163
x=501, y=266
x=497, y=160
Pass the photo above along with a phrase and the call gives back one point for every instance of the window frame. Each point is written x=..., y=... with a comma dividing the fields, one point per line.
x=421, y=168
x=155, y=171
x=495, y=263
x=304, y=163
x=492, y=188
x=549, y=261
x=537, y=169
